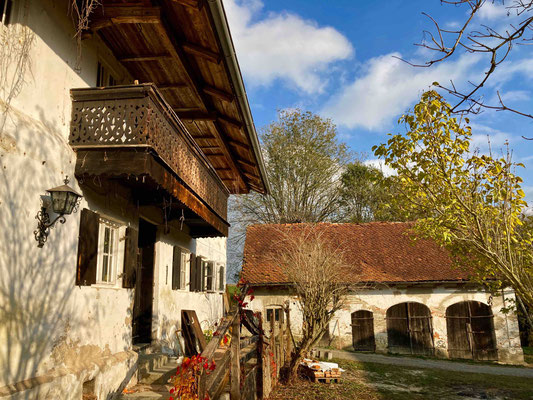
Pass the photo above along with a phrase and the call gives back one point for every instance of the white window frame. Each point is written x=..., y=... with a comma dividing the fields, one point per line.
x=208, y=263
x=112, y=256
x=185, y=261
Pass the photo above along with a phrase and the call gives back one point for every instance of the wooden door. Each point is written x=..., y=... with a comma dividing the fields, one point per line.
x=144, y=285
x=409, y=329
x=420, y=329
x=470, y=329
x=363, y=331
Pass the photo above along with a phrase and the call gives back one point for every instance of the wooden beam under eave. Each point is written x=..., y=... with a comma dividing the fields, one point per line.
x=124, y=14
x=217, y=93
x=169, y=86
x=230, y=121
x=188, y=3
x=196, y=116
x=202, y=52
x=148, y=57
x=248, y=164
x=239, y=144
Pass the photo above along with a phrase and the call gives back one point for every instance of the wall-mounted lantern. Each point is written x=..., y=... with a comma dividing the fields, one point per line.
x=64, y=200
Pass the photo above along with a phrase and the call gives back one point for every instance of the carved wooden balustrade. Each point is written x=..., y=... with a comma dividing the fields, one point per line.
x=137, y=116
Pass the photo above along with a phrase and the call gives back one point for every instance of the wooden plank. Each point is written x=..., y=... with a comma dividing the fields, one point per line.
x=202, y=52
x=188, y=3
x=197, y=329
x=239, y=144
x=219, y=377
x=218, y=93
x=124, y=14
x=146, y=57
x=196, y=116
x=230, y=121
x=235, y=366
x=167, y=86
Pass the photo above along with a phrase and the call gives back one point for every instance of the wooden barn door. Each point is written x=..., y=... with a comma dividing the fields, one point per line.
x=363, y=331
x=409, y=329
x=470, y=329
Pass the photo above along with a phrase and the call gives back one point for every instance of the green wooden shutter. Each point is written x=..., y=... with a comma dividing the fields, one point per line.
x=192, y=274
x=87, y=248
x=130, y=257
x=199, y=274
x=176, y=268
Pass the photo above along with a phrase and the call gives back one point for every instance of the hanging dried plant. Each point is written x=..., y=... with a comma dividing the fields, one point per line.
x=81, y=10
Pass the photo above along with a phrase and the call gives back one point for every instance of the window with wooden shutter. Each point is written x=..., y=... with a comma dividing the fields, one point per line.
x=87, y=248
x=176, y=268
x=130, y=257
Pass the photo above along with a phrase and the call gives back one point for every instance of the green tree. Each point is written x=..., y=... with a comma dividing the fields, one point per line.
x=304, y=160
x=472, y=202
x=366, y=195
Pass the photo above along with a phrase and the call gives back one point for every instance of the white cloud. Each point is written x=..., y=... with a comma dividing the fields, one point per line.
x=387, y=88
x=380, y=164
x=485, y=138
x=491, y=11
x=284, y=46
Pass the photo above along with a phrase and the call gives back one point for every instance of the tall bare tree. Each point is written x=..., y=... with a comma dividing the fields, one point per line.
x=514, y=27
x=315, y=267
x=304, y=160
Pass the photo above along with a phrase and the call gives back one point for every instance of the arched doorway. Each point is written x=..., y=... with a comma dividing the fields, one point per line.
x=470, y=329
x=363, y=331
x=409, y=329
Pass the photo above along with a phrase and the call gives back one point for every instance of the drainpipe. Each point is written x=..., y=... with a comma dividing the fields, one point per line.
x=221, y=25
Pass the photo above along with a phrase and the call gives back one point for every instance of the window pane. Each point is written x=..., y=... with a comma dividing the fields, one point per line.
x=111, y=240
x=105, y=268
x=106, y=239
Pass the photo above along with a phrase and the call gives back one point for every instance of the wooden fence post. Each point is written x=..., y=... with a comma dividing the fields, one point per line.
x=235, y=365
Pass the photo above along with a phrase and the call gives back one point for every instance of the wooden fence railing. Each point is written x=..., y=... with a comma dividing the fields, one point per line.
x=249, y=367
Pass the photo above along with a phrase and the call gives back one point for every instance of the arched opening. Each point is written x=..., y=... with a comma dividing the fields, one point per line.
x=409, y=329
x=470, y=328
x=363, y=331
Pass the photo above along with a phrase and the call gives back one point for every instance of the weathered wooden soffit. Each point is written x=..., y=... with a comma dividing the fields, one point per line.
x=184, y=47
x=129, y=134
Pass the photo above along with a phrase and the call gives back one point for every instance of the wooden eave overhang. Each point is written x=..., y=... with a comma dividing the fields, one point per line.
x=184, y=47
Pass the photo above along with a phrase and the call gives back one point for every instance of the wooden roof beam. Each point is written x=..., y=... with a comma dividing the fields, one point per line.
x=148, y=57
x=217, y=93
x=124, y=14
x=189, y=3
x=169, y=86
x=202, y=52
x=239, y=144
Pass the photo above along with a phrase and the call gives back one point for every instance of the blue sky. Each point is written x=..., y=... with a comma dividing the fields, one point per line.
x=335, y=58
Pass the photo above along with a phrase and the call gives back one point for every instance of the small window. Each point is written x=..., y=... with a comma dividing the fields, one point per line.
x=104, y=76
x=275, y=312
x=106, y=269
x=5, y=11
x=221, y=278
x=209, y=276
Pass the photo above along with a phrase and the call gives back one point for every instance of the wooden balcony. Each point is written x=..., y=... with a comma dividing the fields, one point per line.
x=130, y=133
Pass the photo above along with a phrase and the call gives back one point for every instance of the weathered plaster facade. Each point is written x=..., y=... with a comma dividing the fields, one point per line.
x=436, y=297
x=54, y=335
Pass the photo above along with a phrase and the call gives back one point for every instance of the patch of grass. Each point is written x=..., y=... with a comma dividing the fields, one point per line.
x=370, y=381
